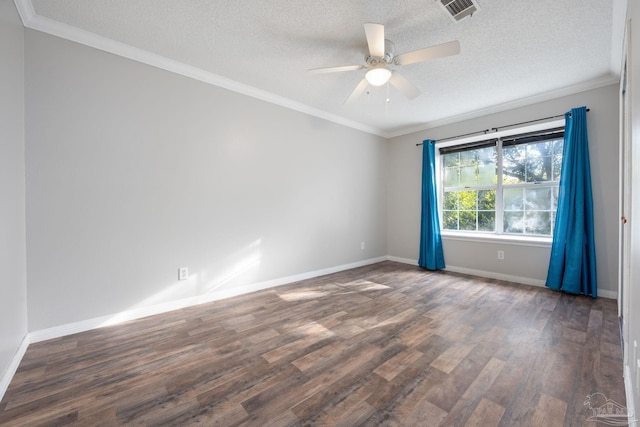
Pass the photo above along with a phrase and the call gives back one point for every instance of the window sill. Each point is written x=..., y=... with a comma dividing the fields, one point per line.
x=543, y=242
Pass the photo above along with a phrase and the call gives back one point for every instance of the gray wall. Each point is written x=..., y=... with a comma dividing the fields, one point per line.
x=133, y=172
x=13, y=286
x=528, y=262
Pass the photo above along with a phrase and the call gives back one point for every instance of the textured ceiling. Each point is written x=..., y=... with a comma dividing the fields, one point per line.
x=511, y=50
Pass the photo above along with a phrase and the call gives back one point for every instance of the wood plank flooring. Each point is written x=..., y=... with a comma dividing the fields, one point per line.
x=387, y=344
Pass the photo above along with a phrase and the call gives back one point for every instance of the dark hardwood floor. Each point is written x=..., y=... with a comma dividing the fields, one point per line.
x=387, y=344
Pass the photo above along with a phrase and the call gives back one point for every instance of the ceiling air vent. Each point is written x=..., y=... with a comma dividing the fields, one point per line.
x=459, y=9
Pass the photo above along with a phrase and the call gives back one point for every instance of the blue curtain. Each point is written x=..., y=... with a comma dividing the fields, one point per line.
x=431, y=254
x=572, y=267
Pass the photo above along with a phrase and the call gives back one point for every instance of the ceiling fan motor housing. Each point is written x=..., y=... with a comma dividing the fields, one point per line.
x=381, y=59
x=389, y=52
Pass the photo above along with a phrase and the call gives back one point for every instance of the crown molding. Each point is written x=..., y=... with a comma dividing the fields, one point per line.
x=25, y=10
x=523, y=102
x=32, y=20
x=618, y=29
x=46, y=25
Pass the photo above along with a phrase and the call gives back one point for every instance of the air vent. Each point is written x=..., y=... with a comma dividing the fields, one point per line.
x=459, y=9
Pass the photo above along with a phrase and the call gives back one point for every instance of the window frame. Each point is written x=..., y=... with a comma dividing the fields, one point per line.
x=498, y=234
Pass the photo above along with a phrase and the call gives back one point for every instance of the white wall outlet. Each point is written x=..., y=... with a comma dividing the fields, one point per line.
x=361, y=245
x=500, y=254
x=183, y=273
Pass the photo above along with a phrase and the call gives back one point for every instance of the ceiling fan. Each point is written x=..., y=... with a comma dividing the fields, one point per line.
x=382, y=57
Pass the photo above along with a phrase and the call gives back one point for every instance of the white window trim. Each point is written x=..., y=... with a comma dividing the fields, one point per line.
x=476, y=236
x=512, y=239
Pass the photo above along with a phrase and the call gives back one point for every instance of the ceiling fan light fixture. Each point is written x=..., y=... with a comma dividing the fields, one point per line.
x=378, y=76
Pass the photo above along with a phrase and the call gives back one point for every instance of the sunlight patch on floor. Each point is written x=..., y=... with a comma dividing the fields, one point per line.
x=365, y=285
x=313, y=329
x=302, y=295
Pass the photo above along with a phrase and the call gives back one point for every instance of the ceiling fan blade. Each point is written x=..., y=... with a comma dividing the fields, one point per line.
x=335, y=69
x=362, y=86
x=405, y=87
x=438, y=51
x=375, y=39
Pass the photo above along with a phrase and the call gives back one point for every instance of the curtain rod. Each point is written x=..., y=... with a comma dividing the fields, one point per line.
x=497, y=128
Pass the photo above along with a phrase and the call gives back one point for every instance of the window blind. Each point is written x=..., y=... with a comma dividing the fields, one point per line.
x=469, y=146
x=525, y=138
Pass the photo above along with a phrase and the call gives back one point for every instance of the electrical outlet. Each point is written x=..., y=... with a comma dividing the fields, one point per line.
x=183, y=273
x=362, y=245
x=500, y=254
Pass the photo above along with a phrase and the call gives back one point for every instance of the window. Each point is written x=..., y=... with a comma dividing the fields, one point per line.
x=507, y=185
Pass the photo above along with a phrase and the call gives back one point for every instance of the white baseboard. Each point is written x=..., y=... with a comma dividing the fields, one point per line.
x=604, y=293
x=628, y=387
x=137, y=313
x=13, y=366
x=499, y=276
x=403, y=260
x=608, y=294
x=479, y=273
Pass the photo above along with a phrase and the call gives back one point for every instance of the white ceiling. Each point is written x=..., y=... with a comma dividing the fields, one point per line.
x=512, y=51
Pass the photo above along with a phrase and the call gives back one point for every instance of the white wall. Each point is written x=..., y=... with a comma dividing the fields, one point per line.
x=13, y=286
x=133, y=172
x=632, y=305
x=528, y=263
